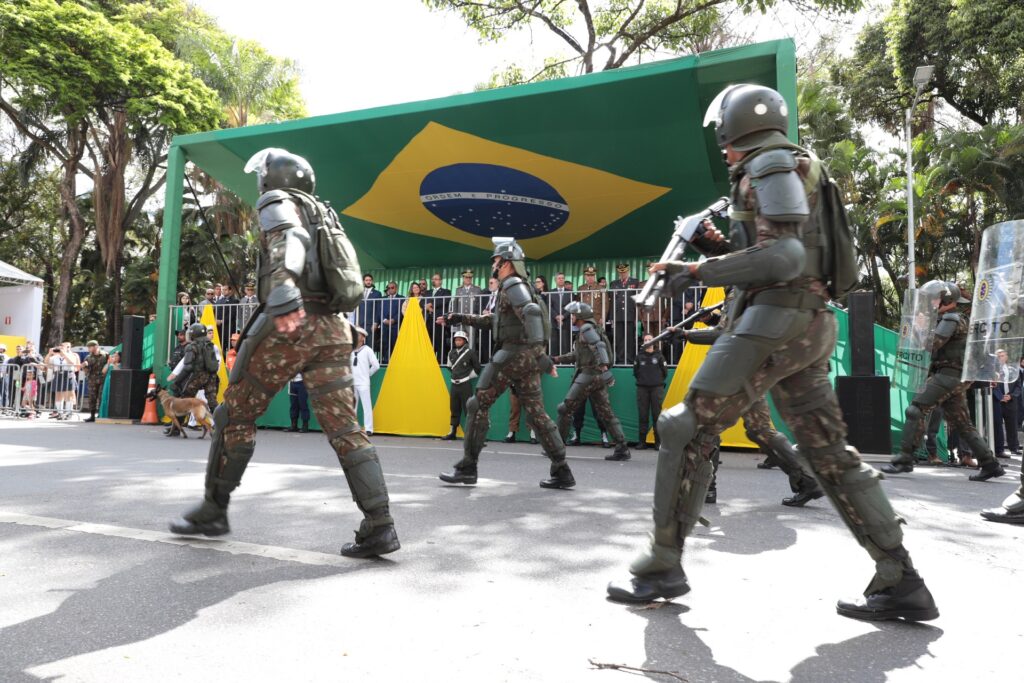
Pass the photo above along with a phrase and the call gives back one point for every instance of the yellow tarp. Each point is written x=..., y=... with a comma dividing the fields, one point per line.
x=210, y=321
x=413, y=398
x=11, y=343
x=693, y=356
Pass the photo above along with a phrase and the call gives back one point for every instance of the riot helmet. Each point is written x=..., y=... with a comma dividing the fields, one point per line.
x=943, y=293
x=197, y=331
x=581, y=310
x=278, y=169
x=748, y=116
x=506, y=249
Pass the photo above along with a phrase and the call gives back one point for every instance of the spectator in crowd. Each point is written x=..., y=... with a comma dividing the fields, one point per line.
x=593, y=294
x=390, y=316
x=364, y=366
x=423, y=286
x=603, y=282
x=1005, y=394
x=367, y=314
x=63, y=365
x=467, y=299
x=299, y=399
x=230, y=315
x=22, y=364
x=33, y=355
x=113, y=363
x=210, y=300
x=465, y=365
x=30, y=391
x=186, y=313
x=438, y=305
x=485, y=333
x=250, y=302
x=650, y=370
x=232, y=354
x=415, y=293
x=624, y=314
x=218, y=291
x=561, y=325
x=515, y=410
x=6, y=375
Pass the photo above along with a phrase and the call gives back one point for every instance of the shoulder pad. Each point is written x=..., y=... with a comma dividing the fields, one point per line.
x=278, y=211
x=589, y=334
x=772, y=161
x=951, y=316
x=517, y=291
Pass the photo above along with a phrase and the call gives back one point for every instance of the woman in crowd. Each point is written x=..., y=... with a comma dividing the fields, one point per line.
x=186, y=314
x=63, y=365
x=415, y=292
x=113, y=363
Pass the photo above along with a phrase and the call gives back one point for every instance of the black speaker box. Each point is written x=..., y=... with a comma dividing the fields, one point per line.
x=861, y=306
x=127, y=394
x=131, y=342
x=865, y=405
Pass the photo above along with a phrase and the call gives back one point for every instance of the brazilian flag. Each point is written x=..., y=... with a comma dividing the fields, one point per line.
x=594, y=166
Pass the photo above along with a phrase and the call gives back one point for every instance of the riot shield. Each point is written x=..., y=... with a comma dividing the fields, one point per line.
x=995, y=342
x=917, y=333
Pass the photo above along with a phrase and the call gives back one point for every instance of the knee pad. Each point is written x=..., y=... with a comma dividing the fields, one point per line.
x=913, y=413
x=677, y=425
x=472, y=405
x=365, y=478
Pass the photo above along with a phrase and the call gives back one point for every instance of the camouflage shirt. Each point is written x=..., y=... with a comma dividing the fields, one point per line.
x=94, y=364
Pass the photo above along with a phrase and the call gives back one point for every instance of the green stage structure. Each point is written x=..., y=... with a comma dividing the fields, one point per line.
x=592, y=168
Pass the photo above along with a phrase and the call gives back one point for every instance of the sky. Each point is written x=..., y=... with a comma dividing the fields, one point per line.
x=356, y=54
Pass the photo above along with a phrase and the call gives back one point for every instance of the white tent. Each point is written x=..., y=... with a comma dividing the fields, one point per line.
x=21, y=303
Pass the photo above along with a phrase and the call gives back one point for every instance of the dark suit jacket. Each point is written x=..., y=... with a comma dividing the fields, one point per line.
x=1015, y=387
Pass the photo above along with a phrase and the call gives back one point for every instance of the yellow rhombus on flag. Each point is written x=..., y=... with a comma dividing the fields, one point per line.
x=693, y=355
x=210, y=321
x=413, y=398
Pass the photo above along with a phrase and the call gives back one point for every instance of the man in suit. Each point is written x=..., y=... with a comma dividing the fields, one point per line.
x=1005, y=394
x=561, y=327
x=390, y=317
x=624, y=314
x=367, y=314
x=437, y=305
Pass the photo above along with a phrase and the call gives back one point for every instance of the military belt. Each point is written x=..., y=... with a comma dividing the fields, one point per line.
x=787, y=298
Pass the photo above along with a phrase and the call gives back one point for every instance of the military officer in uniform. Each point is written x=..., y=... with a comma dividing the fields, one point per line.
x=298, y=331
x=520, y=331
x=465, y=365
x=624, y=314
x=591, y=354
x=94, y=364
x=945, y=389
x=200, y=364
x=178, y=352
x=468, y=298
x=780, y=338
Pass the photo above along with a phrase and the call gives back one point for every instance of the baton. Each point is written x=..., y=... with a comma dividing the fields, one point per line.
x=696, y=315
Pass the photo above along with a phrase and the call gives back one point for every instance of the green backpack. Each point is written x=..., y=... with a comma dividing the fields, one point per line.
x=332, y=255
x=838, y=254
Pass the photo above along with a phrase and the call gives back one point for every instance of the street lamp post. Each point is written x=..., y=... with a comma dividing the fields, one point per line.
x=922, y=75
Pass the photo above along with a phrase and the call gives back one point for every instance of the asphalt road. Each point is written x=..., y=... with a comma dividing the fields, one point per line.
x=499, y=582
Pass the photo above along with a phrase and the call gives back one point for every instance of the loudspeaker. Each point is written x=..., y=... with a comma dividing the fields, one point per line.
x=127, y=394
x=861, y=306
x=131, y=342
x=865, y=405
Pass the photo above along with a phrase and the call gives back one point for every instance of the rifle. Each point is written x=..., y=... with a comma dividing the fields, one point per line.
x=696, y=315
x=684, y=232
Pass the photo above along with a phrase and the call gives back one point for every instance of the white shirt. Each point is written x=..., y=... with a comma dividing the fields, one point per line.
x=364, y=365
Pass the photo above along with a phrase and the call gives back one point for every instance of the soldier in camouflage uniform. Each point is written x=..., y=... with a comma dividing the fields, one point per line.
x=198, y=371
x=298, y=331
x=780, y=338
x=592, y=355
x=758, y=425
x=520, y=330
x=94, y=364
x=945, y=389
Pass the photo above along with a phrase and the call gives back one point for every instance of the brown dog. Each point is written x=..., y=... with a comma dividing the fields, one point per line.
x=180, y=407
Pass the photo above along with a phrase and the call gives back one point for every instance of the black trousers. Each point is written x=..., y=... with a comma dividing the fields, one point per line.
x=458, y=398
x=648, y=405
x=625, y=342
x=1004, y=422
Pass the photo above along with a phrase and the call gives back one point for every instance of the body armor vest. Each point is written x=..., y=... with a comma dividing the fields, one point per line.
x=586, y=357
x=951, y=354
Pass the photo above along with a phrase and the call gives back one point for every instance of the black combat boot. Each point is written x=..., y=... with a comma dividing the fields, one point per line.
x=621, y=453
x=208, y=519
x=91, y=418
x=460, y=475
x=574, y=441
x=510, y=437
x=294, y=427
x=643, y=589
x=900, y=464
x=172, y=431
x=1003, y=516
x=372, y=541
x=560, y=478
x=803, y=497
x=305, y=427
x=641, y=443
x=910, y=599
x=770, y=462
x=450, y=436
x=711, y=497
x=989, y=470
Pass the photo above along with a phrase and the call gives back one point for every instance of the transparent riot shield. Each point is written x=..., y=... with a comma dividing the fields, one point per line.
x=995, y=342
x=917, y=332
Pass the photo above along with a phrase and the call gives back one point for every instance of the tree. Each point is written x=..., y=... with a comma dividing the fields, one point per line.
x=607, y=34
x=96, y=91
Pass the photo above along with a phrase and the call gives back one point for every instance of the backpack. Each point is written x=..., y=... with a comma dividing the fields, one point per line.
x=838, y=254
x=210, y=361
x=332, y=255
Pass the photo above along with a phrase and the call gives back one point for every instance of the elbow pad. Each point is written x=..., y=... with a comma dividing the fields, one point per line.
x=947, y=326
x=703, y=337
x=781, y=196
x=284, y=298
x=779, y=261
x=533, y=323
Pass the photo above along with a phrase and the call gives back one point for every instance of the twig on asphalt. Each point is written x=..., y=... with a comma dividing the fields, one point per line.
x=624, y=667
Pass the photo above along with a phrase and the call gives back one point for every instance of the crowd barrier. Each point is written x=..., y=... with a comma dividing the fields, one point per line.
x=41, y=391
x=382, y=318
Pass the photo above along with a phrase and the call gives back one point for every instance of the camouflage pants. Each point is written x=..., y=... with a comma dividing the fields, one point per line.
x=95, y=393
x=268, y=359
x=519, y=367
x=946, y=391
x=595, y=389
x=757, y=422
x=209, y=382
